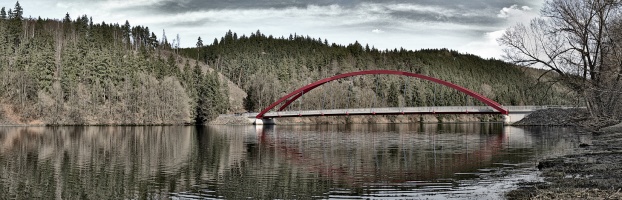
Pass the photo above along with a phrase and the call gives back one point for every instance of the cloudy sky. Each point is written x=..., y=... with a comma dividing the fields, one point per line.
x=470, y=26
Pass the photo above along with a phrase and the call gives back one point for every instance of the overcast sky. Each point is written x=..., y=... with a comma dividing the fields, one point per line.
x=470, y=26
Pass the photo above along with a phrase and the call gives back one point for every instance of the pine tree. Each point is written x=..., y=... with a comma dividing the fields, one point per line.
x=202, y=102
x=153, y=40
x=126, y=32
x=18, y=11
x=249, y=103
x=15, y=28
x=43, y=53
x=220, y=100
x=199, y=46
x=393, y=96
x=2, y=14
x=4, y=45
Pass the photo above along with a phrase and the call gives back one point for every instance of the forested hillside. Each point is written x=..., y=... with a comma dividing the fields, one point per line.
x=76, y=71
x=268, y=67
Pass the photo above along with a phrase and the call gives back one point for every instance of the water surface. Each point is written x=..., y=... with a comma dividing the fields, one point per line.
x=391, y=161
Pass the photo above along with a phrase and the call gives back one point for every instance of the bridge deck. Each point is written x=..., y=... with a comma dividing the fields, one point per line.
x=404, y=110
x=383, y=111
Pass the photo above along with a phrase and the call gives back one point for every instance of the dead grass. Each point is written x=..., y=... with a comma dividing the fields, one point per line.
x=8, y=115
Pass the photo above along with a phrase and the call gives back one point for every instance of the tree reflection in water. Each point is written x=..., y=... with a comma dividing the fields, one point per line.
x=271, y=162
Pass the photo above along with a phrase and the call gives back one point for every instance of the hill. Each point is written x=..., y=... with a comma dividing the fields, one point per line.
x=267, y=67
x=75, y=71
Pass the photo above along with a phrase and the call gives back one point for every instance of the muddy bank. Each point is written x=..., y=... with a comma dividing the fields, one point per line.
x=594, y=171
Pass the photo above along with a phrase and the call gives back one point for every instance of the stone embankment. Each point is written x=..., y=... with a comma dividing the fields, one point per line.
x=554, y=117
x=592, y=172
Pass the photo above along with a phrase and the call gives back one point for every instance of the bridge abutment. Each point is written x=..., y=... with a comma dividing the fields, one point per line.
x=269, y=121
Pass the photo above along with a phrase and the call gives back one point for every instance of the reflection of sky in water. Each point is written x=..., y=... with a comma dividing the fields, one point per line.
x=435, y=161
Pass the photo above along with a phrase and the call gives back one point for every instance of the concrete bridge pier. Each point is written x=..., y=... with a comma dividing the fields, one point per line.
x=268, y=121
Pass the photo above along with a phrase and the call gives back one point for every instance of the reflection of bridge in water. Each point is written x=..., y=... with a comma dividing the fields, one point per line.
x=357, y=158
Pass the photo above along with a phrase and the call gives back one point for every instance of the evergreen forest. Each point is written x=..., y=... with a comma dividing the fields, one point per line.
x=77, y=71
x=267, y=68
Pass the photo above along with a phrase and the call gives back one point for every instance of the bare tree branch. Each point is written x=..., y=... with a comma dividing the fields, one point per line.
x=577, y=39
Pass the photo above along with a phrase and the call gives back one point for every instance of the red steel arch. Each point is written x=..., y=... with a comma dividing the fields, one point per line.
x=299, y=92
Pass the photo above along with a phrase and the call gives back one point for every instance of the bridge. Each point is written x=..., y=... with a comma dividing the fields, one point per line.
x=515, y=113
x=511, y=113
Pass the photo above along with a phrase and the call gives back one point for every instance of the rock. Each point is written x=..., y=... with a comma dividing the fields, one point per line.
x=612, y=129
x=547, y=164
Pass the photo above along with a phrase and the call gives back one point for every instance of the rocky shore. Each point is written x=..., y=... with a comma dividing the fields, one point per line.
x=593, y=172
x=554, y=117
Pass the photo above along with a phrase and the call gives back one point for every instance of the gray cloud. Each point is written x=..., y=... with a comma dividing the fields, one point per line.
x=469, y=12
x=466, y=25
x=175, y=6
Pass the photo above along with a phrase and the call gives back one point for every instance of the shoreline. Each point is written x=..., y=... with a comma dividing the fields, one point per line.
x=592, y=171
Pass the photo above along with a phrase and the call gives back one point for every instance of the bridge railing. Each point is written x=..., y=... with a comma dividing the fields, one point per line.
x=515, y=108
x=397, y=110
x=394, y=109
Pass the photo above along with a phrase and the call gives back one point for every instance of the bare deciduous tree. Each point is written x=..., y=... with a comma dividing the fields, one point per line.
x=577, y=40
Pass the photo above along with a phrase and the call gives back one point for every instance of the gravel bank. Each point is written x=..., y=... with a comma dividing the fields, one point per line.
x=554, y=117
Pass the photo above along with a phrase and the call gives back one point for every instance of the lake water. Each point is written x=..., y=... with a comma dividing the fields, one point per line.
x=387, y=161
